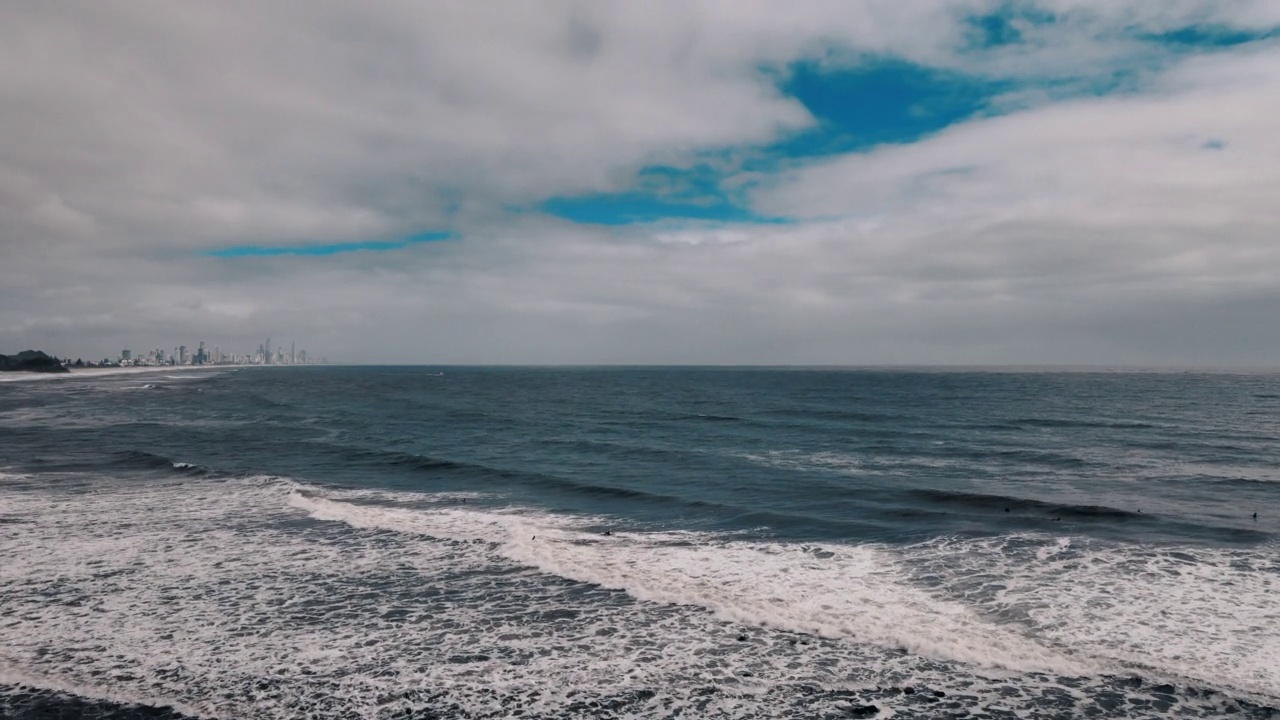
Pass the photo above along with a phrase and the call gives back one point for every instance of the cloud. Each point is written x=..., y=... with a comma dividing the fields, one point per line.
x=241, y=251
x=971, y=181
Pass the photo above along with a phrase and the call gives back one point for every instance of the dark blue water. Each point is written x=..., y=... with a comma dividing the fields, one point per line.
x=469, y=542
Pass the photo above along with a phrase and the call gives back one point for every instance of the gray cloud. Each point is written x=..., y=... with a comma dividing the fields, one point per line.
x=1097, y=230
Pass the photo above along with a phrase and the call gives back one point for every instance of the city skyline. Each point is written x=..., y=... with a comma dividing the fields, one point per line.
x=203, y=354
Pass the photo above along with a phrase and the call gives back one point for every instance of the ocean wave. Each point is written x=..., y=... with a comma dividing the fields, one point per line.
x=406, y=460
x=434, y=465
x=1086, y=423
x=142, y=460
x=623, y=449
x=984, y=501
x=147, y=386
x=713, y=418
x=1245, y=481
x=139, y=459
x=773, y=522
x=828, y=415
x=437, y=466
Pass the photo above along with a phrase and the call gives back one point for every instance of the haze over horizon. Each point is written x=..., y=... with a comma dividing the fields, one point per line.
x=1061, y=182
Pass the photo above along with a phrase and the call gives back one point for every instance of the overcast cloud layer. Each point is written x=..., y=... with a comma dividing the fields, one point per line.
x=172, y=172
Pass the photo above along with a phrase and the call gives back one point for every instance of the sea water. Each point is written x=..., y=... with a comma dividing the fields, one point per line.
x=638, y=542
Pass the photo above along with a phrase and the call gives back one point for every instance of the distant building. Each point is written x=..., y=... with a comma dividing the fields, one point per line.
x=202, y=354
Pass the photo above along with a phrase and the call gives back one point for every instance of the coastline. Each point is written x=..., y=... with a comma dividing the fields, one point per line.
x=20, y=376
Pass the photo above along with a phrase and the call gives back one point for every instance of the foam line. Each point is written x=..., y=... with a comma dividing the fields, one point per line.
x=827, y=590
x=834, y=591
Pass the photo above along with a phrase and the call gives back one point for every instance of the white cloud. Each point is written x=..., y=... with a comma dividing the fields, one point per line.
x=1143, y=168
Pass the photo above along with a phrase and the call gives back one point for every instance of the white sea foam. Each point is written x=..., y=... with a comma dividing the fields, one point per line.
x=451, y=524
x=10, y=675
x=833, y=591
x=1202, y=613
x=270, y=599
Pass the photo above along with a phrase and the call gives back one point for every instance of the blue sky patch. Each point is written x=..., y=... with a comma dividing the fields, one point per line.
x=881, y=100
x=628, y=208
x=664, y=192
x=1004, y=26
x=1210, y=37
x=239, y=251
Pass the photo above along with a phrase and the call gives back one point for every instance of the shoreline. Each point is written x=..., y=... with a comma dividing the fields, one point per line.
x=21, y=376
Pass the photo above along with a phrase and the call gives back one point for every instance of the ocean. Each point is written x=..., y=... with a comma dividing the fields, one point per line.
x=459, y=542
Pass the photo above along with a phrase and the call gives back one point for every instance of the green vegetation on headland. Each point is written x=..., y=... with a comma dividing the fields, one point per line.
x=31, y=361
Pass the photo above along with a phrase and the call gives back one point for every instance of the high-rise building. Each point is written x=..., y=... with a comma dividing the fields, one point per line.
x=267, y=354
x=126, y=355
x=182, y=354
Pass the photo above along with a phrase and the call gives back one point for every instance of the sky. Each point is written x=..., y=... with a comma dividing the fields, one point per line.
x=862, y=182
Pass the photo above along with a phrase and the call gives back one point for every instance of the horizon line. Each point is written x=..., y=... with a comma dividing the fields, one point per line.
x=819, y=366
